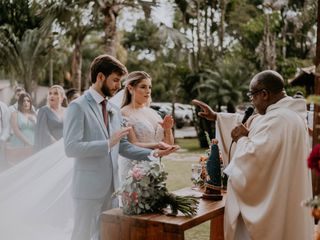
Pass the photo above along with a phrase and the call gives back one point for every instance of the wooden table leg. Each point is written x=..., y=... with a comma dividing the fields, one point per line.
x=216, y=228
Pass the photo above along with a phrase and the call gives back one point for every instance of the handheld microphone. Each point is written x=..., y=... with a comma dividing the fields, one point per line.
x=247, y=114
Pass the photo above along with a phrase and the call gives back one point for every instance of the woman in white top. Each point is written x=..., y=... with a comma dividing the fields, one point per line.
x=148, y=128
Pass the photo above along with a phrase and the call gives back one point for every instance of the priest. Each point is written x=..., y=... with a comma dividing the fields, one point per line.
x=268, y=175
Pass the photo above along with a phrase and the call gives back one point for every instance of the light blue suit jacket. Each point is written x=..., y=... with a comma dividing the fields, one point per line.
x=85, y=137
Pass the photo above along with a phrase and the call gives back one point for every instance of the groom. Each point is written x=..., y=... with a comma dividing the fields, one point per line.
x=94, y=137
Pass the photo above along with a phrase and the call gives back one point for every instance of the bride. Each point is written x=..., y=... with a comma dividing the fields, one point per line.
x=148, y=128
x=35, y=198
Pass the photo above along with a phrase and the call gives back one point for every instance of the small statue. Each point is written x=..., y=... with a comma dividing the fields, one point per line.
x=213, y=181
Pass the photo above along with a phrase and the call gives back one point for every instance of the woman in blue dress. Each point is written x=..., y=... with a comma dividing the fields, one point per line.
x=23, y=123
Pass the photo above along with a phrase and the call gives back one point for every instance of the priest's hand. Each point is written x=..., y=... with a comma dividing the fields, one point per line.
x=238, y=132
x=207, y=111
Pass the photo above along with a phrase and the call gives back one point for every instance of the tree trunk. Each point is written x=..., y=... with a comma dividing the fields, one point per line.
x=206, y=27
x=222, y=18
x=110, y=18
x=77, y=65
x=198, y=36
x=269, y=47
x=316, y=119
x=27, y=85
x=284, y=37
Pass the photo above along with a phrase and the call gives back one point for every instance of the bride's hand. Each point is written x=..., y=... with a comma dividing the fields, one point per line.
x=163, y=145
x=167, y=122
x=164, y=152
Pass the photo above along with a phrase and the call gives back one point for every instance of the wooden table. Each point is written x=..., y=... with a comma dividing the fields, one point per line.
x=117, y=226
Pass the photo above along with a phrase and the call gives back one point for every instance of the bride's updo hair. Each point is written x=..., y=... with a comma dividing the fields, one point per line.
x=133, y=79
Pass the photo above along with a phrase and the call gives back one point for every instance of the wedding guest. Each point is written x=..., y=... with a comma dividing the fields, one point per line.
x=299, y=94
x=23, y=123
x=94, y=137
x=149, y=130
x=72, y=94
x=49, y=128
x=4, y=132
x=268, y=176
x=18, y=90
x=4, y=122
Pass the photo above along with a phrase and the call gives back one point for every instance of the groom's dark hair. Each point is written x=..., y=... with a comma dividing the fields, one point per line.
x=107, y=65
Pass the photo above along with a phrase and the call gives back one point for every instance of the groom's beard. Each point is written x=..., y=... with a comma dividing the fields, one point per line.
x=105, y=90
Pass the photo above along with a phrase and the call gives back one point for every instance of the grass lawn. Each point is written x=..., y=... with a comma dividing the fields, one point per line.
x=190, y=144
x=179, y=174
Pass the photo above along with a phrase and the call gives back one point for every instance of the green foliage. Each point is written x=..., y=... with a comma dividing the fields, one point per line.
x=143, y=37
x=24, y=58
x=166, y=53
x=288, y=66
x=292, y=90
x=20, y=15
x=228, y=83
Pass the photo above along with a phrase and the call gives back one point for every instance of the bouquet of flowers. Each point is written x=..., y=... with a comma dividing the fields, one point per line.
x=145, y=191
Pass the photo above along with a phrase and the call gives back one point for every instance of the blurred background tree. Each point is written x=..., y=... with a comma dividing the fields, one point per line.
x=205, y=49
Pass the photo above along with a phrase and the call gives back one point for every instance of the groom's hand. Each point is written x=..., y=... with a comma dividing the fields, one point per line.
x=116, y=137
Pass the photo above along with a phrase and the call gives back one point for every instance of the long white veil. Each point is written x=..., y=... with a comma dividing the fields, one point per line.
x=35, y=196
x=117, y=98
x=35, y=199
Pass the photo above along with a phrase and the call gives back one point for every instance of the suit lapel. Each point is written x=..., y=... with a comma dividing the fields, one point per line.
x=97, y=112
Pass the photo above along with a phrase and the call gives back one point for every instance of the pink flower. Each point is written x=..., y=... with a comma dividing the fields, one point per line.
x=314, y=159
x=134, y=197
x=137, y=173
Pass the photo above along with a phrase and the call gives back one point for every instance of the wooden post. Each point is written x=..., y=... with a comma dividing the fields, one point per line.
x=316, y=118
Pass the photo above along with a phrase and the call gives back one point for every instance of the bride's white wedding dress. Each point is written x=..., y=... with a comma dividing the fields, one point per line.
x=35, y=199
x=145, y=123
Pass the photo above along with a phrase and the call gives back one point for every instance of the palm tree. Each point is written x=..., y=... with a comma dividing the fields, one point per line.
x=227, y=84
x=24, y=58
x=111, y=10
x=76, y=19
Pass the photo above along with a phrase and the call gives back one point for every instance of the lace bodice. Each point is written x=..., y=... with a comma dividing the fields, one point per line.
x=145, y=123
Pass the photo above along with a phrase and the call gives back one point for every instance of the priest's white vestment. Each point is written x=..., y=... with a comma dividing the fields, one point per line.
x=268, y=177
